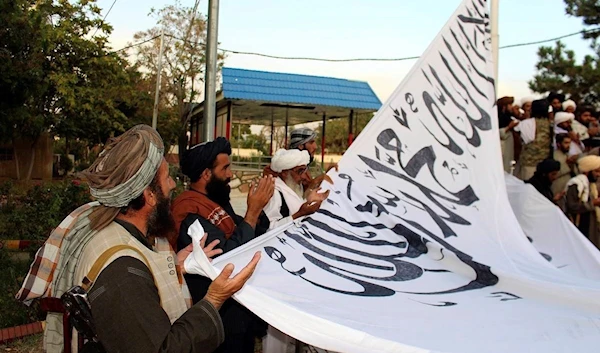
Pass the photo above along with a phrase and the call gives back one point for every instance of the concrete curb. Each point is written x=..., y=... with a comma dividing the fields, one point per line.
x=12, y=333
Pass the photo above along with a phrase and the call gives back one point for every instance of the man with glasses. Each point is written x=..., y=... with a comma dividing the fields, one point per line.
x=288, y=203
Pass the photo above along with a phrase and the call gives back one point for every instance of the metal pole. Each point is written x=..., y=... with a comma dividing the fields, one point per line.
x=158, y=77
x=272, y=131
x=210, y=82
x=323, y=141
x=495, y=38
x=286, y=128
x=350, y=127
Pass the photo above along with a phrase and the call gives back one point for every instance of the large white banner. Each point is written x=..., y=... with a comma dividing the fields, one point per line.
x=551, y=232
x=417, y=248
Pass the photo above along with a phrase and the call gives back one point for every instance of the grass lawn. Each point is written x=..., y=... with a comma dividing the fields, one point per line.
x=30, y=344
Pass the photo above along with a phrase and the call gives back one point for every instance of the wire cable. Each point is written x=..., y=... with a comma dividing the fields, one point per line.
x=238, y=52
x=105, y=16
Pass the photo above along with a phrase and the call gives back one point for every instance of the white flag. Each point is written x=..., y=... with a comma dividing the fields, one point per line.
x=417, y=249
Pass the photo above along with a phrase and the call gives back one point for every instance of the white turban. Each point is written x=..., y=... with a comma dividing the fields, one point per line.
x=526, y=100
x=289, y=159
x=588, y=163
x=562, y=117
x=569, y=103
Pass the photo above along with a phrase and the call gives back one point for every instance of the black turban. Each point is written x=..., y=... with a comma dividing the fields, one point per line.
x=547, y=166
x=203, y=156
x=539, y=108
x=553, y=95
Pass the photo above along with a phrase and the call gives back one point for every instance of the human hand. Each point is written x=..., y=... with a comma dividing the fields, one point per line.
x=332, y=167
x=223, y=287
x=559, y=196
x=209, y=250
x=307, y=208
x=572, y=159
x=260, y=193
x=316, y=196
x=596, y=202
x=512, y=124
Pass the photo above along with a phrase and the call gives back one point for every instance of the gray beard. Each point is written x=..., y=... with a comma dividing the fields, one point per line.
x=296, y=187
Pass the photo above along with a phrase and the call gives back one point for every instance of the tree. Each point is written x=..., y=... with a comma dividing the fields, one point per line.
x=589, y=11
x=558, y=70
x=22, y=65
x=183, y=60
x=61, y=81
x=336, y=132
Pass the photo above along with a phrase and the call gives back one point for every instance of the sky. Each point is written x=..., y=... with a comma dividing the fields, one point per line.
x=359, y=29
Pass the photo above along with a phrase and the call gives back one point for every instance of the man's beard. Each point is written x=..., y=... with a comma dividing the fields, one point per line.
x=296, y=187
x=218, y=190
x=161, y=223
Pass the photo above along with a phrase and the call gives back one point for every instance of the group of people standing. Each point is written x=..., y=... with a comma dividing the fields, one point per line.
x=553, y=144
x=125, y=252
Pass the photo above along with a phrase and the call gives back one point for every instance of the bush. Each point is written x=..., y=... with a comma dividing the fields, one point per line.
x=31, y=213
x=12, y=312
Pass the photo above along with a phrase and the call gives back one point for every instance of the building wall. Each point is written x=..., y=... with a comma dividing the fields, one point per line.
x=222, y=126
x=43, y=152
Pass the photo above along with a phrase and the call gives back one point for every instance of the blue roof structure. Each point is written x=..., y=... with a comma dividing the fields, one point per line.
x=297, y=89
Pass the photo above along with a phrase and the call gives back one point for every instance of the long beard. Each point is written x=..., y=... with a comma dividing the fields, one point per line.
x=218, y=190
x=161, y=223
x=296, y=187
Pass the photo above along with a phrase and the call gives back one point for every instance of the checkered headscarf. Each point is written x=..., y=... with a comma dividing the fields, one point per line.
x=301, y=136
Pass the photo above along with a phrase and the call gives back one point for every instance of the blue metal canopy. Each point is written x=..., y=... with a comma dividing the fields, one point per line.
x=297, y=89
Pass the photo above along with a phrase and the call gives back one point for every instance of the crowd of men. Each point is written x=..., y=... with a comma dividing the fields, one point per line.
x=553, y=144
x=125, y=252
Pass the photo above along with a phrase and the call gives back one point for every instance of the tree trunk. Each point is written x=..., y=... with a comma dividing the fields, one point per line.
x=183, y=128
x=32, y=159
x=16, y=159
x=67, y=145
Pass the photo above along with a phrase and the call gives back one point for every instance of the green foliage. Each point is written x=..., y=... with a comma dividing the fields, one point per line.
x=12, y=312
x=183, y=64
x=56, y=77
x=558, y=70
x=32, y=213
x=588, y=10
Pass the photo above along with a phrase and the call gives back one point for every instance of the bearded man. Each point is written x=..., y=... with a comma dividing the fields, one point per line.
x=288, y=203
x=583, y=201
x=139, y=302
x=207, y=201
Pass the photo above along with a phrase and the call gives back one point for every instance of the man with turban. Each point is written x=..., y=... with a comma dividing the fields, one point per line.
x=288, y=201
x=506, y=124
x=541, y=147
x=207, y=201
x=304, y=139
x=586, y=127
x=569, y=106
x=582, y=198
x=556, y=101
x=545, y=173
x=139, y=302
x=567, y=163
x=562, y=125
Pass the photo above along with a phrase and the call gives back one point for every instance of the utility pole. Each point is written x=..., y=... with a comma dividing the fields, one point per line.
x=495, y=39
x=210, y=84
x=158, y=76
